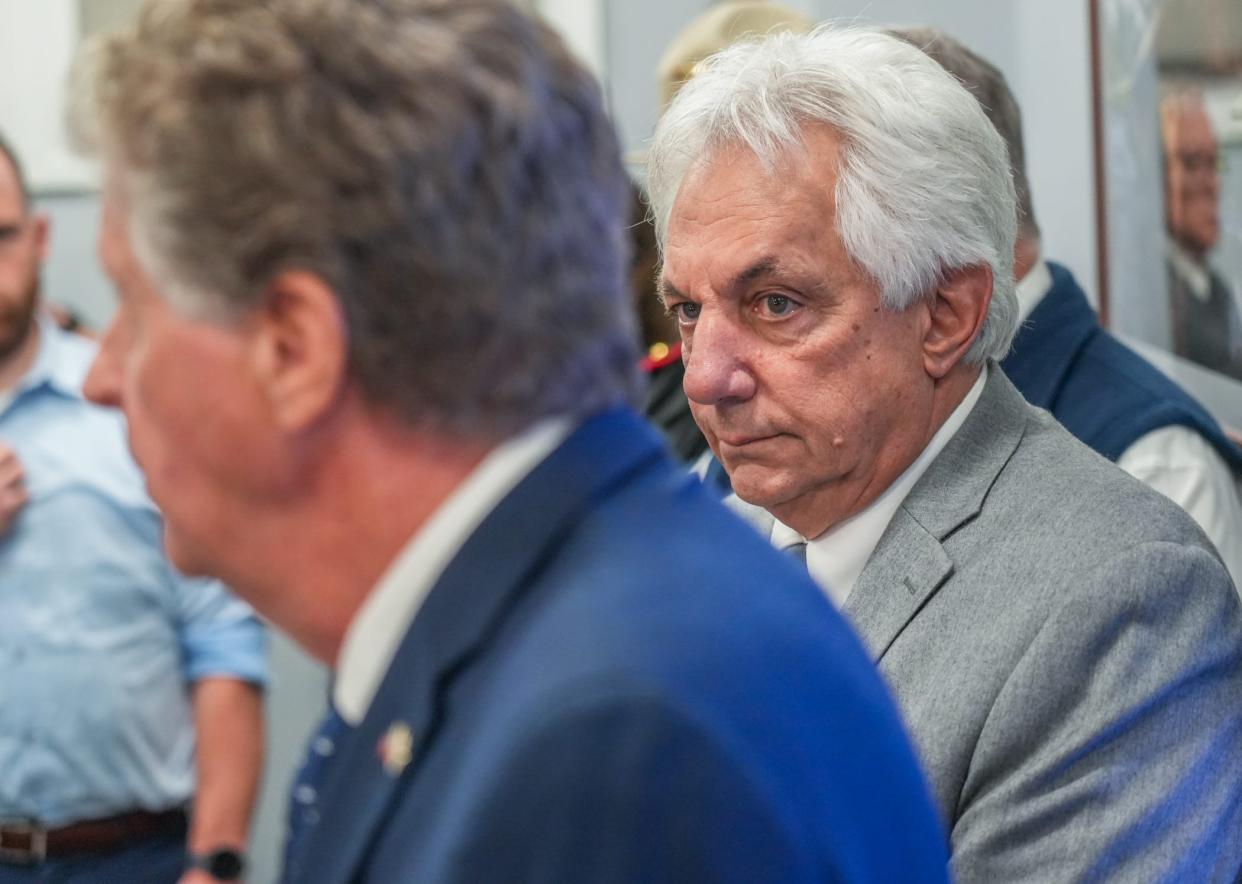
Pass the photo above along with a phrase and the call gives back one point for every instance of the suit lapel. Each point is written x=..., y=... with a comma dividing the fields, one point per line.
x=460, y=614
x=910, y=563
x=906, y=569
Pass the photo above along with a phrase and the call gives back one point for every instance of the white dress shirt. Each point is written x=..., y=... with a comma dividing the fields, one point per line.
x=384, y=618
x=1174, y=460
x=837, y=557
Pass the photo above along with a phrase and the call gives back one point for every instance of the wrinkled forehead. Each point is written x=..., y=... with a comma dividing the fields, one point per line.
x=734, y=182
x=736, y=220
x=804, y=146
x=733, y=173
x=800, y=148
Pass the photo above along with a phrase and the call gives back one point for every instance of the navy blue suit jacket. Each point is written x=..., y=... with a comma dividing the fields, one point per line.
x=1101, y=390
x=616, y=680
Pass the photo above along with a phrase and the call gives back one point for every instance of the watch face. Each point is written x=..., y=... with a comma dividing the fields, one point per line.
x=226, y=865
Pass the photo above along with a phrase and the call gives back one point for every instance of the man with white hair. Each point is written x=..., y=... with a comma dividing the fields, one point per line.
x=837, y=219
x=374, y=347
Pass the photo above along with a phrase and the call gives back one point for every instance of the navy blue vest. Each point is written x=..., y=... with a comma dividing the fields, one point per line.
x=1101, y=390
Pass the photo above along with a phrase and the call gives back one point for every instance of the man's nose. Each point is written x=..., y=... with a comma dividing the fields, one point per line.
x=103, y=381
x=716, y=369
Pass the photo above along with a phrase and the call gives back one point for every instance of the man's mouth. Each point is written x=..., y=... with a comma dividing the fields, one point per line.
x=742, y=441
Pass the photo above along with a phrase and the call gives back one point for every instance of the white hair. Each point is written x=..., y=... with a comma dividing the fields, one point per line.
x=923, y=187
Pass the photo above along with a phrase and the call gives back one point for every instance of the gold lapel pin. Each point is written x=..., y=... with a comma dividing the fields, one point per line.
x=396, y=749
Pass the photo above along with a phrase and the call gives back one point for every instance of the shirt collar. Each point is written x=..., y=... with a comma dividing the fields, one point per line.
x=1033, y=288
x=1189, y=269
x=54, y=365
x=376, y=631
x=836, y=558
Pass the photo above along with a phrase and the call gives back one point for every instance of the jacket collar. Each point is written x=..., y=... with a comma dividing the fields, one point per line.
x=57, y=366
x=1050, y=340
x=463, y=610
x=909, y=564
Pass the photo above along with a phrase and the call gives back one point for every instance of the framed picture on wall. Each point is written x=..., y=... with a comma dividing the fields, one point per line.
x=1168, y=117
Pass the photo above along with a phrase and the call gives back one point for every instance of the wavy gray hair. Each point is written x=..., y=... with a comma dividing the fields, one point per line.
x=444, y=165
x=924, y=184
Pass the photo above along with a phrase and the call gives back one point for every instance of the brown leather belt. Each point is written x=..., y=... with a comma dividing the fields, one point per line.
x=26, y=843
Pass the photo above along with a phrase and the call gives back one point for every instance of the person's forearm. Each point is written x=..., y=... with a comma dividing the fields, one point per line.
x=228, y=717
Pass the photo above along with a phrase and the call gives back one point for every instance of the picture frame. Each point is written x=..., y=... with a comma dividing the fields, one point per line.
x=1167, y=108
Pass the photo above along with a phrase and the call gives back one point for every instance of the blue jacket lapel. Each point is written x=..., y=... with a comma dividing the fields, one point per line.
x=457, y=619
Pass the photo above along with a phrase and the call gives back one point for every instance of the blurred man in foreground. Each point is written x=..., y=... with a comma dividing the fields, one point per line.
x=838, y=220
x=382, y=242
x=128, y=694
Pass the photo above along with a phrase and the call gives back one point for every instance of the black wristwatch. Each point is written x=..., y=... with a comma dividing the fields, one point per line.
x=225, y=864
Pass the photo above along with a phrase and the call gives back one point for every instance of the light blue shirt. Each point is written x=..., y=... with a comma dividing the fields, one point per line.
x=100, y=638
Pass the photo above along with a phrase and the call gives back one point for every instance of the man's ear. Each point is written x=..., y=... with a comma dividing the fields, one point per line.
x=957, y=312
x=42, y=228
x=301, y=349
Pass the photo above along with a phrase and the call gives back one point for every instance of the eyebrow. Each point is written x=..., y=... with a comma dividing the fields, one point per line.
x=664, y=289
x=765, y=266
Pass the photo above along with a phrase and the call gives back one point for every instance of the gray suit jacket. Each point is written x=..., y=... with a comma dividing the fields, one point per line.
x=1067, y=649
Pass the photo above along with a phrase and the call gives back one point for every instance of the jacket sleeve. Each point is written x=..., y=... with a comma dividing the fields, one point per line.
x=1114, y=750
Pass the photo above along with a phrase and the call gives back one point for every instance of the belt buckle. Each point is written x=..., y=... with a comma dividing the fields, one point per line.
x=33, y=853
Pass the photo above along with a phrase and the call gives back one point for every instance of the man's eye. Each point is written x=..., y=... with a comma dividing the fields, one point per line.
x=778, y=305
x=685, y=311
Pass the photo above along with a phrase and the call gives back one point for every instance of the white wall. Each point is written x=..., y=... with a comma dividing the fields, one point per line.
x=1051, y=75
x=581, y=24
x=72, y=276
x=37, y=42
